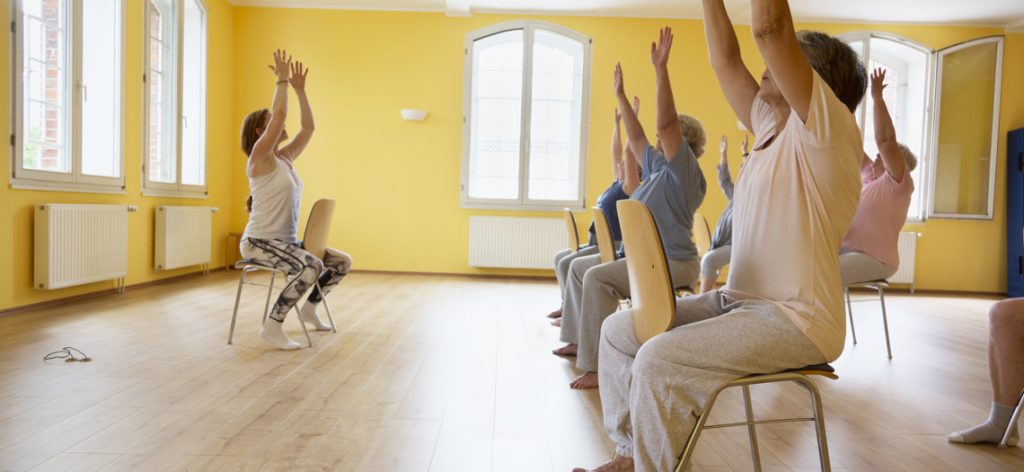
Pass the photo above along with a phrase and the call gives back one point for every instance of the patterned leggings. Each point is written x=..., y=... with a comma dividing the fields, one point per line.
x=303, y=266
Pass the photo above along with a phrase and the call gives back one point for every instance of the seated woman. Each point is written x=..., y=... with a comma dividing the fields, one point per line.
x=627, y=179
x=275, y=191
x=782, y=307
x=721, y=240
x=869, y=250
x=673, y=187
x=1006, y=369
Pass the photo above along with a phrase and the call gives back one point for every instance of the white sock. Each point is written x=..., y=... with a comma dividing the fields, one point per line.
x=308, y=315
x=991, y=431
x=273, y=332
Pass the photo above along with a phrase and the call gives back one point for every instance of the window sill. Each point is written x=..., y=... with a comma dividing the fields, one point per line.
x=26, y=184
x=149, y=192
x=518, y=207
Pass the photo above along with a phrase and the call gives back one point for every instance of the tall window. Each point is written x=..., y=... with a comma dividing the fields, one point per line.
x=945, y=106
x=524, y=132
x=175, y=162
x=68, y=95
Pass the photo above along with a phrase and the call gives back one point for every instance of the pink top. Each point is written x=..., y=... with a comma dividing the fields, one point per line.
x=881, y=213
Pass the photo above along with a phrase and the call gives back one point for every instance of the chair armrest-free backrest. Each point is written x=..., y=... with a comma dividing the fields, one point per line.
x=605, y=242
x=650, y=285
x=701, y=234
x=318, y=227
x=574, y=234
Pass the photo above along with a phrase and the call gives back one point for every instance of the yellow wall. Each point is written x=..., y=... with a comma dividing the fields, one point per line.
x=397, y=182
x=16, y=214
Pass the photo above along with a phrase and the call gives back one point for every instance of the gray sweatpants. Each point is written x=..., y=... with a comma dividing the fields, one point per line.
x=652, y=395
x=856, y=267
x=592, y=293
x=713, y=261
x=562, y=260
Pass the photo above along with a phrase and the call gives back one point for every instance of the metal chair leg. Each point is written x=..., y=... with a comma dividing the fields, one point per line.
x=327, y=306
x=755, y=452
x=885, y=319
x=234, y=314
x=298, y=316
x=819, y=423
x=1013, y=420
x=691, y=443
x=270, y=292
x=849, y=311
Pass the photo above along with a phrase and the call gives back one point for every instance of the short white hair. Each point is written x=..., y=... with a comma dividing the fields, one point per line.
x=909, y=157
x=693, y=133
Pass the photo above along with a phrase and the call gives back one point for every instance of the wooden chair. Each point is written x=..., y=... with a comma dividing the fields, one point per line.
x=653, y=310
x=605, y=241
x=701, y=235
x=318, y=227
x=1013, y=420
x=878, y=286
x=572, y=231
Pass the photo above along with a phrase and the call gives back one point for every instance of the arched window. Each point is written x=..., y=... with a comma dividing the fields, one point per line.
x=524, y=119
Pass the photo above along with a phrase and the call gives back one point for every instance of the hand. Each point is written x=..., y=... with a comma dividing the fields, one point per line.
x=636, y=105
x=298, y=78
x=620, y=88
x=877, y=82
x=660, y=51
x=281, y=65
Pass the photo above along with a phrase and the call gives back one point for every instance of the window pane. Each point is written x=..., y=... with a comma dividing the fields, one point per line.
x=964, y=146
x=495, y=117
x=906, y=97
x=101, y=80
x=193, y=96
x=556, y=117
x=162, y=147
x=45, y=85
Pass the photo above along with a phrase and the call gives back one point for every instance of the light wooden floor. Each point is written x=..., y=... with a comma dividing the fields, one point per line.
x=440, y=374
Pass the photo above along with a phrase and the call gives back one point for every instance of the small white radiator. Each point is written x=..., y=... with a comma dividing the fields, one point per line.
x=80, y=244
x=516, y=243
x=183, y=236
x=907, y=247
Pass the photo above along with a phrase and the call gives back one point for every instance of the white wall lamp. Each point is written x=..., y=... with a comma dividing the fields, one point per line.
x=410, y=114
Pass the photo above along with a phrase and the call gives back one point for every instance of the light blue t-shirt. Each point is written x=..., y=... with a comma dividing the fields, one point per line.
x=673, y=191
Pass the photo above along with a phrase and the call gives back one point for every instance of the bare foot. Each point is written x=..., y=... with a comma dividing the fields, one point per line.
x=567, y=350
x=617, y=464
x=585, y=381
x=557, y=322
x=555, y=314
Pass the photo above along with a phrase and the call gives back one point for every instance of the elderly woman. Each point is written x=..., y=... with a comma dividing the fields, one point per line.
x=627, y=179
x=869, y=250
x=673, y=187
x=1006, y=368
x=721, y=241
x=782, y=307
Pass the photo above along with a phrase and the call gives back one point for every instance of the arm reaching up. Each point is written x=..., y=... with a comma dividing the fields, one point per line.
x=788, y=68
x=631, y=164
x=885, y=132
x=298, y=144
x=636, y=139
x=617, y=148
x=261, y=159
x=739, y=86
x=668, y=119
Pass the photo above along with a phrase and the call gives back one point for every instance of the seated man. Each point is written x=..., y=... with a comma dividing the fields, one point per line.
x=1006, y=368
x=627, y=179
x=721, y=241
x=869, y=250
x=782, y=307
x=673, y=187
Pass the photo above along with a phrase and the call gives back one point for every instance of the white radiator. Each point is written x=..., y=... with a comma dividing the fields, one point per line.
x=517, y=243
x=80, y=244
x=183, y=236
x=907, y=247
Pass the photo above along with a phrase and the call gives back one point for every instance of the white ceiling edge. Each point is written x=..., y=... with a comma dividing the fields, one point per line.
x=1016, y=26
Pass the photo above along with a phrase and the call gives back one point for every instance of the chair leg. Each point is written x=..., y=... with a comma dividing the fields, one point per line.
x=327, y=306
x=885, y=320
x=270, y=291
x=298, y=316
x=234, y=313
x=755, y=453
x=819, y=422
x=1013, y=420
x=849, y=311
x=691, y=443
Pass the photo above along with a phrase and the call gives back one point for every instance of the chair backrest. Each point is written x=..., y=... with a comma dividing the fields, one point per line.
x=318, y=227
x=605, y=242
x=701, y=234
x=654, y=302
x=574, y=234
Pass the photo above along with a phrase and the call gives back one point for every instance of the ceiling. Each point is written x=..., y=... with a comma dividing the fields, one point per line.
x=1008, y=14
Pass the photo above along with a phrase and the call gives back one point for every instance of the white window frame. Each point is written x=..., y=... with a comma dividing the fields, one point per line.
x=524, y=202
x=74, y=180
x=177, y=189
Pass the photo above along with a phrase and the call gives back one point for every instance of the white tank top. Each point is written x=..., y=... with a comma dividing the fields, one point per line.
x=275, y=204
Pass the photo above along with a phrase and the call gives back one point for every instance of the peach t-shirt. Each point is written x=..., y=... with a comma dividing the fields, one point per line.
x=884, y=202
x=791, y=210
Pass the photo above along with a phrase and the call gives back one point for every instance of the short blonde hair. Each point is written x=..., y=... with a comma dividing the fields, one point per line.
x=693, y=133
x=908, y=156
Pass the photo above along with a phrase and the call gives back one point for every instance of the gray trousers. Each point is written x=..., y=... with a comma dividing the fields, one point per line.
x=856, y=267
x=652, y=395
x=592, y=293
x=714, y=260
x=562, y=260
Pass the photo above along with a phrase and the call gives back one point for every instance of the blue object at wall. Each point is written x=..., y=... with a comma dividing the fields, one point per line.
x=1015, y=213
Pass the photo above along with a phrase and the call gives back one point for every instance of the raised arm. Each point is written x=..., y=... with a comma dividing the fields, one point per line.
x=631, y=164
x=668, y=118
x=298, y=144
x=724, y=177
x=739, y=86
x=636, y=140
x=616, y=153
x=262, y=156
x=775, y=36
x=885, y=132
